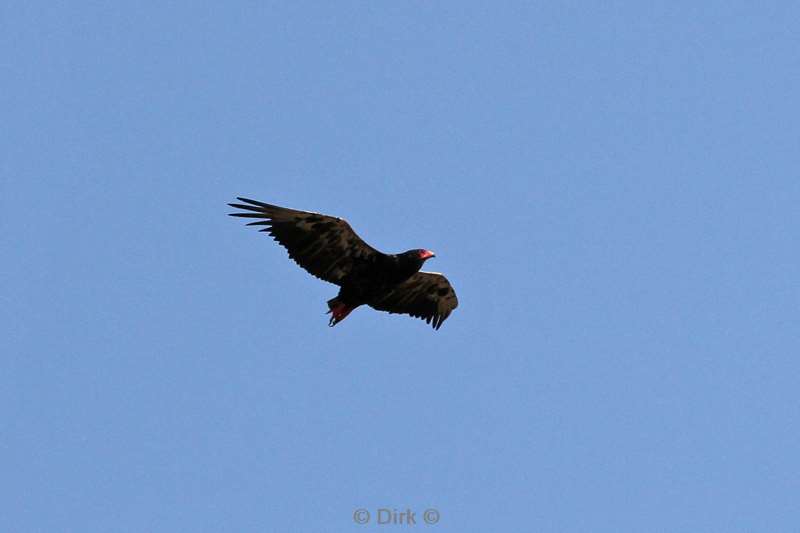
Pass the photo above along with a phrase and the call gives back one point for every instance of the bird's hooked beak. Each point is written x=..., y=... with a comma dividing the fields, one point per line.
x=426, y=254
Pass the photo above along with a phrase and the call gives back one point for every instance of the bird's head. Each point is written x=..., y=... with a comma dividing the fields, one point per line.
x=420, y=254
x=425, y=254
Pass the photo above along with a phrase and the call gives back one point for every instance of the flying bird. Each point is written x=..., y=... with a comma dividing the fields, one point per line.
x=329, y=249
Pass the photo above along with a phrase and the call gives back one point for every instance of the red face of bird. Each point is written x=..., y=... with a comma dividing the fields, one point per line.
x=426, y=254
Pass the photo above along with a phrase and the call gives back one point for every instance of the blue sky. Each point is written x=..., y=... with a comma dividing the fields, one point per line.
x=612, y=189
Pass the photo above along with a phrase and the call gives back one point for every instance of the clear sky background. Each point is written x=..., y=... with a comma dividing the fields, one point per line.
x=612, y=188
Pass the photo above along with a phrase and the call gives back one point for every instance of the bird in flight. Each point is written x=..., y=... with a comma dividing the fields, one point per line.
x=329, y=249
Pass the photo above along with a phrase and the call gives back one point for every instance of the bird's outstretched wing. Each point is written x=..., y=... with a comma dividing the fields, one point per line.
x=326, y=246
x=425, y=295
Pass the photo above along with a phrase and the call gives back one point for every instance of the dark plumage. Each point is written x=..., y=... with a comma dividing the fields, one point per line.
x=328, y=248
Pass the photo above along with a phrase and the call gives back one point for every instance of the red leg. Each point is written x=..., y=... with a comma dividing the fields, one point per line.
x=338, y=313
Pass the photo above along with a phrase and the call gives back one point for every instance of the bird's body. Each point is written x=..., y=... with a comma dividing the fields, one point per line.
x=328, y=248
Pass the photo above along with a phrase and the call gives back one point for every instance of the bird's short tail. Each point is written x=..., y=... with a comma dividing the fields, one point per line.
x=338, y=310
